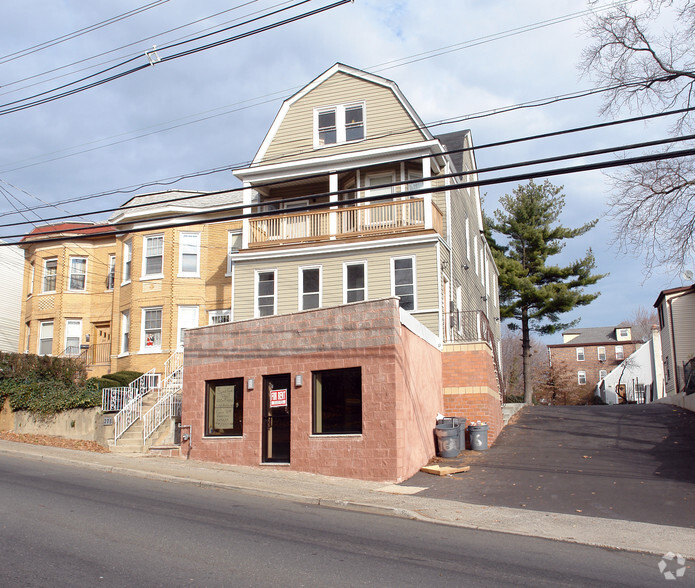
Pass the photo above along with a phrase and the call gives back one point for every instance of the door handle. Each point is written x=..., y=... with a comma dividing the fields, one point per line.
x=269, y=422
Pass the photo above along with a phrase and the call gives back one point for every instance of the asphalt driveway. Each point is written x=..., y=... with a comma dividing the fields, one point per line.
x=630, y=462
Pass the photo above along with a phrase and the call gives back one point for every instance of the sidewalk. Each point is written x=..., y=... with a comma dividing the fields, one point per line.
x=378, y=498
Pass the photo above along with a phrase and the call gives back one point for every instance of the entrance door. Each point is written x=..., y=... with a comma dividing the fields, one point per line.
x=276, y=419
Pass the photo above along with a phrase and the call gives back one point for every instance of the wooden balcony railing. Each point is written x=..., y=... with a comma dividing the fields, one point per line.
x=371, y=219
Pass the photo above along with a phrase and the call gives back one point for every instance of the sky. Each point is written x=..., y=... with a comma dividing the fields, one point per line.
x=142, y=132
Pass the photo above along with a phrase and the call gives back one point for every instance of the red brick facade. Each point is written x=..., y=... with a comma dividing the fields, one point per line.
x=470, y=386
x=401, y=388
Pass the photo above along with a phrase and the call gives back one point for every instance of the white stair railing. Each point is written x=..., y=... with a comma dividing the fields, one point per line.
x=132, y=409
x=168, y=405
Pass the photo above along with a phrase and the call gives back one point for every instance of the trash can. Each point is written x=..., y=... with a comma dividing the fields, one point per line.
x=478, y=436
x=456, y=422
x=447, y=440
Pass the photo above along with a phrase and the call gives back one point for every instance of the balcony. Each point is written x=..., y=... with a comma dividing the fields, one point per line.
x=384, y=218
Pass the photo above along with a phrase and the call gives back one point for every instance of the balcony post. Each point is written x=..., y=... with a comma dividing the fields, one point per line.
x=426, y=173
x=246, y=227
x=333, y=214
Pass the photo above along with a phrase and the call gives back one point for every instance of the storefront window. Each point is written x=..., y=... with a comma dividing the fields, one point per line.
x=337, y=399
x=224, y=407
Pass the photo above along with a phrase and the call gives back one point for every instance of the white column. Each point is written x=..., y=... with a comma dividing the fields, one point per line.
x=426, y=173
x=247, y=199
x=333, y=215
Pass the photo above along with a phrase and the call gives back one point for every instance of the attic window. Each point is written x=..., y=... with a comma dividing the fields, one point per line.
x=334, y=125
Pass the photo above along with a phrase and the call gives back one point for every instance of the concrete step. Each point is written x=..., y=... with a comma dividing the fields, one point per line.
x=510, y=409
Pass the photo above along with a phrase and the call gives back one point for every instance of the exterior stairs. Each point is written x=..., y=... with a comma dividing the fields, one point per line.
x=131, y=440
x=510, y=409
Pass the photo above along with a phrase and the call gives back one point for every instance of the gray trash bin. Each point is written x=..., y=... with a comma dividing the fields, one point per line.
x=447, y=440
x=456, y=422
x=478, y=436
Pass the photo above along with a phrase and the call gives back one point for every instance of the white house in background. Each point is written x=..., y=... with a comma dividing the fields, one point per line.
x=12, y=264
x=639, y=377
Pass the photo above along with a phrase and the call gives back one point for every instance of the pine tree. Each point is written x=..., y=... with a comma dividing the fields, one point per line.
x=533, y=294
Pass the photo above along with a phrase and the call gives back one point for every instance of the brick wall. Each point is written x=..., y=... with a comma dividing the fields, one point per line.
x=470, y=386
x=401, y=388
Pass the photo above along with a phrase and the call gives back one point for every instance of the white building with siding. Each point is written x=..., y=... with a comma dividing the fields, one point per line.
x=12, y=264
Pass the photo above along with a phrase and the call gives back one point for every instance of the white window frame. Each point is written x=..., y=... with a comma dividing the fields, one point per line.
x=55, y=276
x=183, y=309
x=619, y=352
x=194, y=236
x=111, y=275
x=72, y=273
x=28, y=336
x=413, y=269
x=581, y=375
x=68, y=324
x=602, y=374
x=232, y=236
x=31, y=280
x=127, y=262
x=340, y=123
x=601, y=355
x=144, y=348
x=414, y=175
x=300, y=289
x=153, y=276
x=256, y=309
x=42, y=326
x=580, y=354
x=623, y=333
x=224, y=313
x=125, y=332
x=346, y=264
x=379, y=189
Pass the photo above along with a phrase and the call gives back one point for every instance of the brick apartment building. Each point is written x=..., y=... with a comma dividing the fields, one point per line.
x=587, y=355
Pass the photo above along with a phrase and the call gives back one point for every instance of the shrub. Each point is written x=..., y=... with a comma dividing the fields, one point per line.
x=123, y=378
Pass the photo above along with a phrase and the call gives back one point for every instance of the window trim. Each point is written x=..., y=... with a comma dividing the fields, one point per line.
x=370, y=190
x=182, y=273
x=55, y=276
x=125, y=333
x=413, y=269
x=41, y=338
x=30, y=288
x=143, y=335
x=340, y=123
x=111, y=275
x=619, y=352
x=363, y=263
x=604, y=372
x=580, y=351
x=179, y=332
x=127, y=262
x=70, y=273
x=146, y=276
x=256, y=309
x=316, y=407
x=300, y=286
x=581, y=374
x=238, y=410
x=232, y=252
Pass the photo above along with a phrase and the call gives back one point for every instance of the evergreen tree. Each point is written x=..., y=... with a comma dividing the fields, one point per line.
x=534, y=294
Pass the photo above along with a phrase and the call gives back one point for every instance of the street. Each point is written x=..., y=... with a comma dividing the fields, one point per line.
x=65, y=525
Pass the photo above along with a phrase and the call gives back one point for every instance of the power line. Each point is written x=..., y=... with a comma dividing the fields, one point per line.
x=16, y=105
x=79, y=32
x=114, y=230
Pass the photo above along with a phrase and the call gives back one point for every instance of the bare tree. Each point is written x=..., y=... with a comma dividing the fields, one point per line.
x=510, y=344
x=641, y=321
x=647, y=57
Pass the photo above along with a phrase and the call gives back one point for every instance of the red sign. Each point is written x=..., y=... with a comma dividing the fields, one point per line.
x=278, y=398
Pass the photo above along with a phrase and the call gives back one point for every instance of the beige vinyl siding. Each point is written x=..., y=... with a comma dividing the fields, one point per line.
x=378, y=278
x=386, y=120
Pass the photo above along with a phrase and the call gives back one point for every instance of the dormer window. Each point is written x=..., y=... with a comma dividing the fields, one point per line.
x=334, y=125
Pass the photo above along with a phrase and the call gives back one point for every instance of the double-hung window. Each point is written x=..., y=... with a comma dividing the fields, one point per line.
x=342, y=123
x=580, y=354
x=602, y=374
x=111, y=277
x=127, y=260
x=581, y=377
x=355, y=282
x=152, y=329
x=46, y=338
x=619, y=352
x=189, y=254
x=125, y=331
x=265, y=293
x=601, y=354
x=309, y=288
x=403, y=281
x=78, y=274
x=50, y=271
x=234, y=242
x=73, y=336
x=153, y=251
